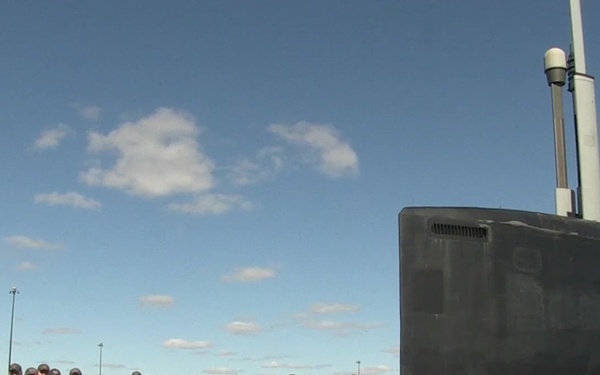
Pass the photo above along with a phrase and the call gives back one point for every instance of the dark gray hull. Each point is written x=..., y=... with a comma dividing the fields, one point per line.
x=498, y=292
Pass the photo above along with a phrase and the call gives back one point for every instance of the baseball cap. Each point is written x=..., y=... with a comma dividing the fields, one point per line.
x=31, y=371
x=75, y=371
x=43, y=367
x=15, y=367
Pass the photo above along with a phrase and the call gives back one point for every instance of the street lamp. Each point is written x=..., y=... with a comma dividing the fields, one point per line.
x=358, y=363
x=101, y=345
x=14, y=292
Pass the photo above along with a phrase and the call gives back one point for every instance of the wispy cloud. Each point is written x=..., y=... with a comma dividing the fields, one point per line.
x=184, y=344
x=50, y=139
x=31, y=243
x=376, y=370
x=212, y=204
x=275, y=364
x=220, y=371
x=26, y=266
x=114, y=366
x=395, y=350
x=311, y=319
x=157, y=300
x=242, y=328
x=322, y=145
x=330, y=308
x=227, y=354
x=250, y=274
x=267, y=163
x=284, y=365
x=340, y=328
x=157, y=156
x=61, y=331
x=71, y=198
x=89, y=112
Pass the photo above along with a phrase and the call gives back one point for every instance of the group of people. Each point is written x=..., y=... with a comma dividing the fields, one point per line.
x=44, y=369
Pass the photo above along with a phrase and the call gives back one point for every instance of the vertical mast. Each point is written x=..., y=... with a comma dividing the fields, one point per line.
x=584, y=106
x=555, y=67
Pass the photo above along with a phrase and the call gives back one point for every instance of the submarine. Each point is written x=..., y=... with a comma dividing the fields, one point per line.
x=510, y=292
x=499, y=292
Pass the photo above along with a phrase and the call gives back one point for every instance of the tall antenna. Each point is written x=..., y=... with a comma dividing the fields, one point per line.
x=555, y=67
x=586, y=128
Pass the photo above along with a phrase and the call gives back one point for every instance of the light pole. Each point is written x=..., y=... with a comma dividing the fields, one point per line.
x=101, y=345
x=14, y=292
x=358, y=363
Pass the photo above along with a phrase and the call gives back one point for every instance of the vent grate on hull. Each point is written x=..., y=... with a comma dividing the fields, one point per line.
x=464, y=231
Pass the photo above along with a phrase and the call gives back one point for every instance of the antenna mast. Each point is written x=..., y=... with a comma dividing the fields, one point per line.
x=586, y=128
x=555, y=66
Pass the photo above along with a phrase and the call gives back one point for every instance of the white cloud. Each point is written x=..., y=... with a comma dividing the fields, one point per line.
x=90, y=112
x=340, y=328
x=156, y=156
x=61, y=331
x=51, y=138
x=71, y=198
x=26, y=266
x=31, y=243
x=324, y=146
x=214, y=204
x=184, y=344
x=242, y=328
x=309, y=319
x=250, y=274
x=267, y=163
x=275, y=364
x=112, y=365
x=220, y=371
x=395, y=350
x=329, y=308
x=157, y=300
x=376, y=370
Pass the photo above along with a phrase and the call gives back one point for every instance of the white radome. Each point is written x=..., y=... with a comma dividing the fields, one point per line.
x=555, y=58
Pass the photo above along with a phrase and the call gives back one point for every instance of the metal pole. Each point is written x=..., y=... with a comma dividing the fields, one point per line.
x=555, y=67
x=358, y=363
x=584, y=107
x=101, y=345
x=565, y=201
x=559, y=137
x=14, y=292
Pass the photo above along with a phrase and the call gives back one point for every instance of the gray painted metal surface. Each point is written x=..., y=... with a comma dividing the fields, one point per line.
x=498, y=292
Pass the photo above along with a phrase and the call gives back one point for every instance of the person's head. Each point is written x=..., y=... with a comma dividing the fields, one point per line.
x=55, y=371
x=15, y=369
x=31, y=371
x=43, y=369
x=136, y=373
x=75, y=371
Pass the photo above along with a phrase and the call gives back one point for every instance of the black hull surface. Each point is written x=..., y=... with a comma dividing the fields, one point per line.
x=498, y=292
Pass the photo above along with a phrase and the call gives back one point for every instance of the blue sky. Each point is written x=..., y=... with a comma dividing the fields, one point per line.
x=213, y=187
